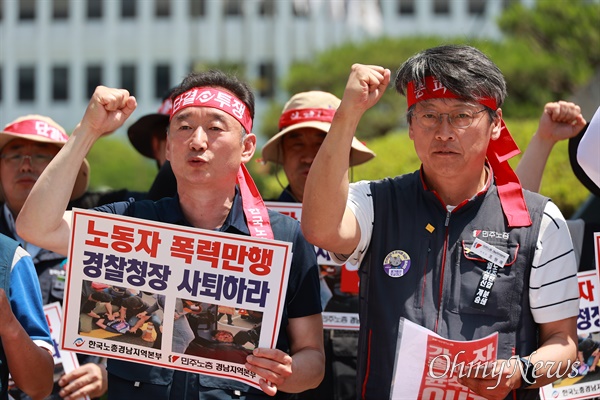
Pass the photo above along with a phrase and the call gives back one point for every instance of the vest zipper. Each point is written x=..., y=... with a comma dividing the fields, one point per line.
x=441, y=291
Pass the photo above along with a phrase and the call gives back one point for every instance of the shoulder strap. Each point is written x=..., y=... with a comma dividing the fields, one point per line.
x=8, y=246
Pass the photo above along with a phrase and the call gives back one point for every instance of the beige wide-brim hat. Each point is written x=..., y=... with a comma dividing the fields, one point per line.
x=312, y=109
x=39, y=128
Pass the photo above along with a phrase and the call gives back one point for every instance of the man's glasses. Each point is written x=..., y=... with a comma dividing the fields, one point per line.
x=36, y=160
x=458, y=119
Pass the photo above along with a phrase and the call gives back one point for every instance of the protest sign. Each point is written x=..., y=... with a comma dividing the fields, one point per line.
x=152, y=293
x=339, y=283
x=64, y=361
x=584, y=382
x=427, y=366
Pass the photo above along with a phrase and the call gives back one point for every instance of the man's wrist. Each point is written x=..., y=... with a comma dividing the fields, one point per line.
x=527, y=373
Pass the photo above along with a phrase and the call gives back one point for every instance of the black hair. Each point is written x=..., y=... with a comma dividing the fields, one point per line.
x=462, y=69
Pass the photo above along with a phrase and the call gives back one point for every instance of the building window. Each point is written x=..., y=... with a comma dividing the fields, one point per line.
x=26, y=10
x=93, y=79
x=266, y=8
x=1, y=8
x=60, y=9
x=128, y=8
x=197, y=8
x=477, y=7
x=301, y=8
x=441, y=7
x=60, y=83
x=128, y=78
x=266, y=85
x=94, y=9
x=26, y=83
x=232, y=8
x=406, y=7
x=162, y=80
x=162, y=8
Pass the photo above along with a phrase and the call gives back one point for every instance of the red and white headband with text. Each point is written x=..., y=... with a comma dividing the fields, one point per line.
x=214, y=98
x=296, y=116
x=36, y=127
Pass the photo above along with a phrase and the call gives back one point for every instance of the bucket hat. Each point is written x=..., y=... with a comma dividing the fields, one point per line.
x=313, y=109
x=39, y=128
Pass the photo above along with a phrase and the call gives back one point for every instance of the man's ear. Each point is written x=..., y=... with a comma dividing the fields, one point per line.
x=411, y=134
x=248, y=147
x=497, y=125
x=168, y=148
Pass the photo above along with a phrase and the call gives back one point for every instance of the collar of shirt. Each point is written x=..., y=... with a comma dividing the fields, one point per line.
x=286, y=196
x=234, y=223
x=32, y=249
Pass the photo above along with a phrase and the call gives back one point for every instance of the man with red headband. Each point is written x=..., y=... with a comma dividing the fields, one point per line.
x=209, y=140
x=413, y=235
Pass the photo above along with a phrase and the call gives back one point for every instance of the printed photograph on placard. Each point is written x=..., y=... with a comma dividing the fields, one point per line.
x=215, y=331
x=122, y=314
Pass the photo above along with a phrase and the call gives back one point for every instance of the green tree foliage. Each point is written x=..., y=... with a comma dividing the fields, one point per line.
x=549, y=52
x=329, y=72
x=115, y=164
x=570, y=29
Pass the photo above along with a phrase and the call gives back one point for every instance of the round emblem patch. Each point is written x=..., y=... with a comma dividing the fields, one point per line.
x=396, y=263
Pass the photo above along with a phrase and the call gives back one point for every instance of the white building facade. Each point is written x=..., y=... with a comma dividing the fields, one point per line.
x=53, y=53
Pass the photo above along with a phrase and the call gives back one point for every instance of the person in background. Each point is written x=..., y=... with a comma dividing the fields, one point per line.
x=148, y=135
x=26, y=347
x=559, y=121
x=27, y=145
x=414, y=235
x=303, y=125
x=208, y=142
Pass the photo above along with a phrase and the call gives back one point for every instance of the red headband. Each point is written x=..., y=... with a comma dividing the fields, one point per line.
x=498, y=153
x=214, y=98
x=296, y=116
x=36, y=127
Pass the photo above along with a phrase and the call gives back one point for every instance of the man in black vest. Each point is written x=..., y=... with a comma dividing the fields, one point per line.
x=209, y=140
x=419, y=237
